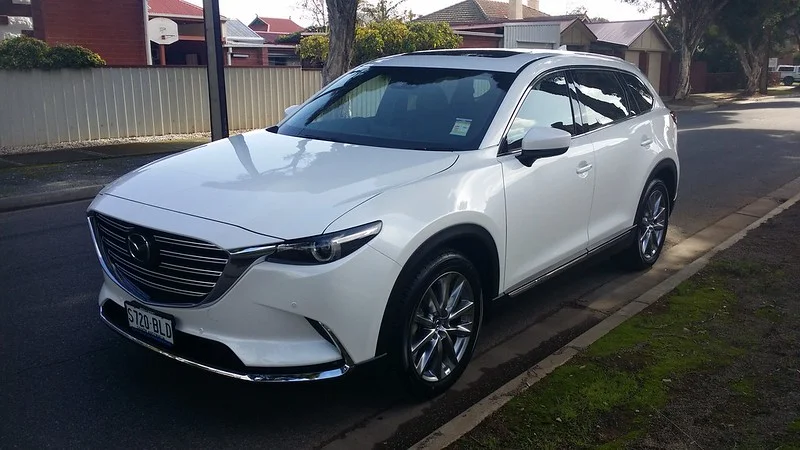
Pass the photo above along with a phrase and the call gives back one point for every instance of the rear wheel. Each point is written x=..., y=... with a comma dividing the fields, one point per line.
x=652, y=221
x=443, y=308
x=788, y=81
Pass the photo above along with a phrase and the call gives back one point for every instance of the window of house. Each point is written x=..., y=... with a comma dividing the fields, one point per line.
x=641, y=98
x=602, y=96
x=548, y=104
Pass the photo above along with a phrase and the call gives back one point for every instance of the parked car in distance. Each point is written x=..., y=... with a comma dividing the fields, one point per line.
x=789, y=74
x=379, y=218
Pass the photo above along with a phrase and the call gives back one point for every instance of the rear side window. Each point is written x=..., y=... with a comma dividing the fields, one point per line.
x=641, y=99
x=602, y=97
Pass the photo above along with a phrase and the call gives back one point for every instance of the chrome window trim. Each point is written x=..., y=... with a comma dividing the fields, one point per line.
x=570, y=68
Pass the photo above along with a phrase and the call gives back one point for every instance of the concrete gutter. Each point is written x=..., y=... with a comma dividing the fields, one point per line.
x=472, y=417
x=49, y=198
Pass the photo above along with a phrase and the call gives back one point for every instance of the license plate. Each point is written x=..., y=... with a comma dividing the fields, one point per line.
x=157, y=325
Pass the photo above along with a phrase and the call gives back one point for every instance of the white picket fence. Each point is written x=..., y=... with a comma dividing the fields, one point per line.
x=47, y=107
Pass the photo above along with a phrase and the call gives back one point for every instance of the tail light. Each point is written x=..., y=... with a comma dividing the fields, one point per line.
x=674, y=117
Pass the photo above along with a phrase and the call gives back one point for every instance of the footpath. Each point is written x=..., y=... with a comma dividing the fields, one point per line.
x=41, y=178
x=714, y=364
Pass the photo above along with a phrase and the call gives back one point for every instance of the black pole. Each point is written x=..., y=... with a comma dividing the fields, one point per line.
x=217, y=99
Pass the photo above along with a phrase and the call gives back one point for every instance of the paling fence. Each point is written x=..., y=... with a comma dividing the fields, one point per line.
x=48, y=107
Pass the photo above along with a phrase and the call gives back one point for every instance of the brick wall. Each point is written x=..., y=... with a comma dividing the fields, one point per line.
x=115, y=32
x=480, y=42
x=256, y=57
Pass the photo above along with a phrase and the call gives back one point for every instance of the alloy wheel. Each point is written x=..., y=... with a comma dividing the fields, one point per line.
x=442, y=327
x=653, y=225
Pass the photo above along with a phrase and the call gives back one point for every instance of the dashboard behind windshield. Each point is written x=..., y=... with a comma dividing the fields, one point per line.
x=404, y=107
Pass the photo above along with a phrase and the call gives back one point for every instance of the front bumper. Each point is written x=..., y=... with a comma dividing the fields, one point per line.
x=214, y=357
x=276, y=322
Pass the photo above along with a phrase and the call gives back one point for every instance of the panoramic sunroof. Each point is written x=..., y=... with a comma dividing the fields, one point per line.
x=476, y=53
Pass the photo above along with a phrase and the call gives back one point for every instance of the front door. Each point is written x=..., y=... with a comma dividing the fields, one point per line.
x=548, y=204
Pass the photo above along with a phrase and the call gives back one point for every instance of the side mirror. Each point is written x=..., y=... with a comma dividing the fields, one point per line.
x=291, y=110
x=543, y=142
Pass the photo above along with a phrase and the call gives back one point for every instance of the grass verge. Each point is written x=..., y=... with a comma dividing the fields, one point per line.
x=713, y=364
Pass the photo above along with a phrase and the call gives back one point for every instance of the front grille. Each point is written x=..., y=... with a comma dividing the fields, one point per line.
x=177, y=270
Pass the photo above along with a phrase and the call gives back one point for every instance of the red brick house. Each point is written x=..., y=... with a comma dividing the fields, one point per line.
x=117, y=34
x=272, y=28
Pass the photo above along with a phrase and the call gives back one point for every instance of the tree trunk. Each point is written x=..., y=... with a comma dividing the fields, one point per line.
x=342, y=19
x=752, y=62
x=684, y=72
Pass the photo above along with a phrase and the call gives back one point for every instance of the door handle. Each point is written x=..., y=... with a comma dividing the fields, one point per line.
x=583, y=169
x=646, y=142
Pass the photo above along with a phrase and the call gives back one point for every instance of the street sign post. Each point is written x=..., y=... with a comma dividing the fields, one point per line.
x=163, y=32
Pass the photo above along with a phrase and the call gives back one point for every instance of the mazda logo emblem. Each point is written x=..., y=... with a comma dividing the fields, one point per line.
x=139, y=247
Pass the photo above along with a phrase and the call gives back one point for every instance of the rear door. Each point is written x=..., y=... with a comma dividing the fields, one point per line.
x=621, y=135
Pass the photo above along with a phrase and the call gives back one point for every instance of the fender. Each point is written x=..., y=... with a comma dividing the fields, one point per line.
x=489, y=269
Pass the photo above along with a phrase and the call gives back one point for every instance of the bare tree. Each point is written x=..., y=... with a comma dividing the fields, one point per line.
x=382, y=10
x=691, y=18
x=342, y=21
x=315, y=11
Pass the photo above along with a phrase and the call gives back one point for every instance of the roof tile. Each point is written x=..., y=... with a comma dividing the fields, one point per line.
x=173, y=8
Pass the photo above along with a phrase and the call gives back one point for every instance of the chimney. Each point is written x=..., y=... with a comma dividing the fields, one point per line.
x=534, y=4
x=514, y=9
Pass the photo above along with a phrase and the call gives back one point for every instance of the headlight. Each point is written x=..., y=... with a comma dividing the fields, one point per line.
x=325, y=248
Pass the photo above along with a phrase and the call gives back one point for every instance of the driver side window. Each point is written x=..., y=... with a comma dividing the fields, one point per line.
x=548, y=104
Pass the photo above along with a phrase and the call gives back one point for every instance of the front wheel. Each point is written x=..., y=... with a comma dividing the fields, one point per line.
x=652, y=221
x=443, y=308
x=788, y=81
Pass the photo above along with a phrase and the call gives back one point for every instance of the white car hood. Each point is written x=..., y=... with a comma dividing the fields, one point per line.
x=279, y=186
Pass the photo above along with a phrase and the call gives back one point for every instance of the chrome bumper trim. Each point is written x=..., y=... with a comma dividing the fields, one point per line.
x=252, y=377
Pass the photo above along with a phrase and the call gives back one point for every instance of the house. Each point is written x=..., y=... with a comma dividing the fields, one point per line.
x=271, y=29
x=640, y=42
x=242, y=46
x=486, y=23
x=467, y=17
x=117, y=34
x=190, y=50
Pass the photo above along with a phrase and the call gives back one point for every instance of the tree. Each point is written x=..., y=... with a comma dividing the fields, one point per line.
x=582, y=11
x=315, y=11
x=379, y=39
x=382, y=10
x=342, y=21
x=754, y=29
x=691, y=18
x=26, y=53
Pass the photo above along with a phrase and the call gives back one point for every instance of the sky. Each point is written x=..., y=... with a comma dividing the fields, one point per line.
x=246, y=10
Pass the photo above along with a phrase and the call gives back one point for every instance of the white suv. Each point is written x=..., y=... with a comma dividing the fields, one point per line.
x=380, y=217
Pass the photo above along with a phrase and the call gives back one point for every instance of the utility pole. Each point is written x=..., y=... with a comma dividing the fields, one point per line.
x=217, y=99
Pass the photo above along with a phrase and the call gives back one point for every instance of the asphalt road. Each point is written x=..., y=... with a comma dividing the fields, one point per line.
x=67, y=381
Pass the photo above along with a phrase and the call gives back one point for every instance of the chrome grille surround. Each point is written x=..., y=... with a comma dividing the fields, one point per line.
x=181, y=272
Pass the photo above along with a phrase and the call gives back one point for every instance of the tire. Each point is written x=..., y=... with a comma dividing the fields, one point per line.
x=430, y=329
x=650, y=234
x=788, y=81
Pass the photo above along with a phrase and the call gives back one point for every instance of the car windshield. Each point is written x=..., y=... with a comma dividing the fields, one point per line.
x=404, y=107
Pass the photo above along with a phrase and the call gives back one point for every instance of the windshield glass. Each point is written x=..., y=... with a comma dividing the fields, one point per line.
x=404, y=107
